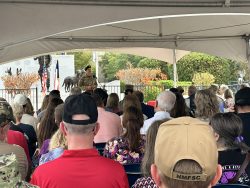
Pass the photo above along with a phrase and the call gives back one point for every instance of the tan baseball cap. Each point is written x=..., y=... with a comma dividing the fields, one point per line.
x=186, y=138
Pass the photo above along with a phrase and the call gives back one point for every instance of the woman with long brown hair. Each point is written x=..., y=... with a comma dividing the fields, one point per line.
x=206, y=103
x=129, y=148
x=48, y=127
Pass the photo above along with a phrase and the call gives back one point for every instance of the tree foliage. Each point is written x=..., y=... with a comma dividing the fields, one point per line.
x=203, y=79
x=111, y=63
x=82, y=59
x=222, y=69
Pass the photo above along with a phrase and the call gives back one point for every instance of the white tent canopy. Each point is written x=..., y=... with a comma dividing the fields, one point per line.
x=215, y=27
x=162, y=54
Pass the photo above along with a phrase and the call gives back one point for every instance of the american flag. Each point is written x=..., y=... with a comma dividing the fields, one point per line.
x=57, y=80
x=44, y=79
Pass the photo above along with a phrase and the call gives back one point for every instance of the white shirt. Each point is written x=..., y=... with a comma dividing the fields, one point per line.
x=30, y=120
x=158, y=116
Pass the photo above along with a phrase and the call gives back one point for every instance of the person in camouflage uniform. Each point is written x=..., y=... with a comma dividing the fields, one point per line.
x=6, y=116
x=9, y=174
x=88, y=81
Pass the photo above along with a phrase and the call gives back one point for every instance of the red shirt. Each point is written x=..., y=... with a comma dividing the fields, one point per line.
x=15, y=137
x=80, y=168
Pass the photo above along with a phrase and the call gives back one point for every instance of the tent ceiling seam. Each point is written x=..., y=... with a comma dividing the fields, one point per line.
x=145, y=3
x=141, y=39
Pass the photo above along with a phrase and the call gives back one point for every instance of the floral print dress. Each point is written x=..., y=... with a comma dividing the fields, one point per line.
x=118, y=149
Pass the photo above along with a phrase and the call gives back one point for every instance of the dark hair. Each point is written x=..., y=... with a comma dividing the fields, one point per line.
x=173, y=89
x=180, y=89
x=97, y=99
x=131, y=100
x=28, y=108
x=229, y=127
x=59, y=114
x=55, y=94
x=139, y=95
x=112, y=101
x=48, y=126
x=180, y=108
x=132, y=121
x=103, y=94
x=128, y=91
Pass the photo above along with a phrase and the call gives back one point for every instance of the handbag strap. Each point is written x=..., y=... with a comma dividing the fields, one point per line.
x=242, y=169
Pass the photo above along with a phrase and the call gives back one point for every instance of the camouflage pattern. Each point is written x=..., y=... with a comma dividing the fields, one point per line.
x=6, y=112
x=87, y=81
x=9, y=175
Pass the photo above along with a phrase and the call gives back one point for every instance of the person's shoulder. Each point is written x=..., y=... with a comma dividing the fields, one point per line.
x=149, y=120
x=112, y=114
x=15, y=134
x=110, y=163
x=15, y=148
x=48, y=166
x=26, y=125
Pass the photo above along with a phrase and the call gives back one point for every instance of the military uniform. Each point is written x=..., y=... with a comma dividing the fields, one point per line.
x=86, y=81
x=9, y=174
x=6, y=116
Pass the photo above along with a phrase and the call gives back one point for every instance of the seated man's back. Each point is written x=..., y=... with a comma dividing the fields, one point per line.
x=80, y=168
x=80, y=165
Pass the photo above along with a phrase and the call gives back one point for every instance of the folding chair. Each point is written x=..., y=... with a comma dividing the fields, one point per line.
x=230, y=186
x=133, y=172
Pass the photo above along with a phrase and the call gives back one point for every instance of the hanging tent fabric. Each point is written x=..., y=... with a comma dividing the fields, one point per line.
x=167, y=55
x=215, y=27
x=161, y=54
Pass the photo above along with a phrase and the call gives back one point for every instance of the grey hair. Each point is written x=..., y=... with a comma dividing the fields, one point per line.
x=79, y=129
x=166, y=100
x=17, y=110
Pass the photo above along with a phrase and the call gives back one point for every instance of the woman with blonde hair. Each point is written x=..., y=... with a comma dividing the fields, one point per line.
x=206, y=103
x=57, y=145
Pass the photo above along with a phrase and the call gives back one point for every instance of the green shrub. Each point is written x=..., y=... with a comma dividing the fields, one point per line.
x=122, y=86
x=151, y=92
x=170, y=83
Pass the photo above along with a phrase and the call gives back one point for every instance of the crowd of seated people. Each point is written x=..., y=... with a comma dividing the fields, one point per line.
x=55, y=147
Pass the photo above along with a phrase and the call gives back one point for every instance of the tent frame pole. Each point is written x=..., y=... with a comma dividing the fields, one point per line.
x=174, y=67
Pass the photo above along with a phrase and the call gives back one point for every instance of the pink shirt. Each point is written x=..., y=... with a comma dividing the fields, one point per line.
x=110, y=126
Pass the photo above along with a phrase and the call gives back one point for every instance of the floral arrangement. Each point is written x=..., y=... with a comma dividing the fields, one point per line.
x=19, y=83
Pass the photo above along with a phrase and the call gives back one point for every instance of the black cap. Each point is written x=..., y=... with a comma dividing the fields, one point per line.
x=80, y=104
x=242, y=97
x=86, y=68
